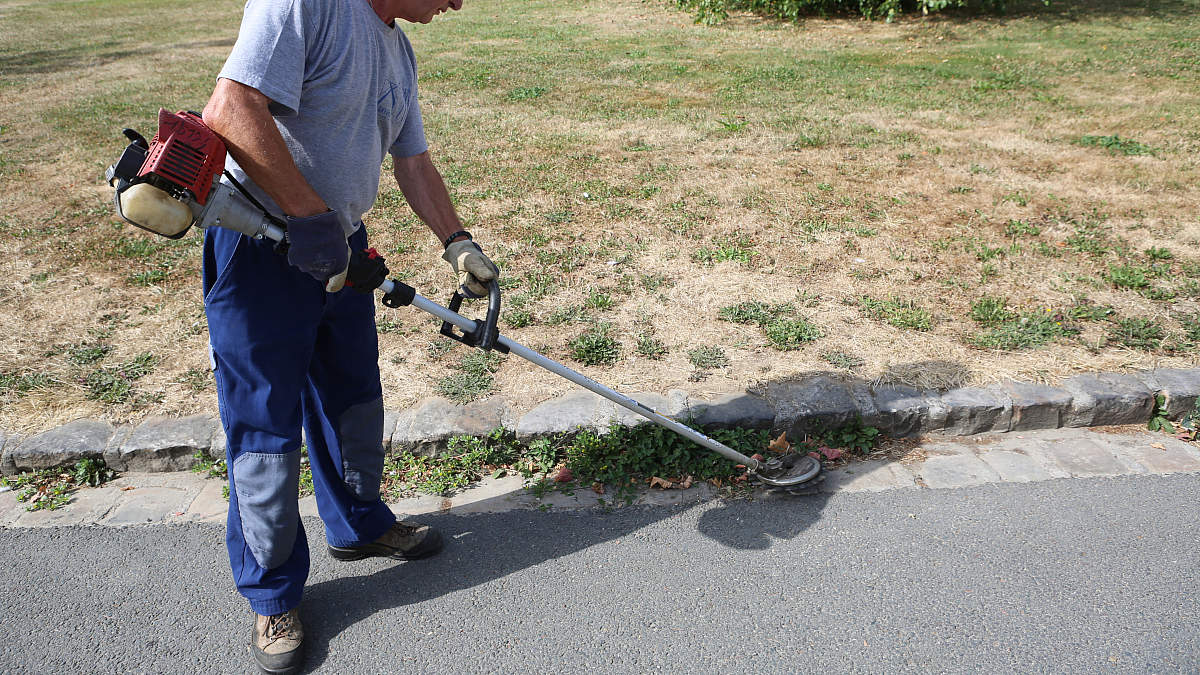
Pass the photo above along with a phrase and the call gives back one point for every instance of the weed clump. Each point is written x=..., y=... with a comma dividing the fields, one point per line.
x=595, y=346
x=784, y=331
x=898, y=313
x=51, y=489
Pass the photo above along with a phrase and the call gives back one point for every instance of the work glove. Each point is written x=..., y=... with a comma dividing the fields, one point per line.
x=472, y=267
x=317, y=246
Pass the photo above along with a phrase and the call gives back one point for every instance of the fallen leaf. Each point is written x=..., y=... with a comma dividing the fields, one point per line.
x=563, y=475
x=815, y=455
x=831, y=453
x=661, y=483
x=1158, y=446
x=127, y=488
x=780, y=444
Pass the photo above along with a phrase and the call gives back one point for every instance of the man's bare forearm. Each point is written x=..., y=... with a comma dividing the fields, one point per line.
x=426, y=193
x=239, y=115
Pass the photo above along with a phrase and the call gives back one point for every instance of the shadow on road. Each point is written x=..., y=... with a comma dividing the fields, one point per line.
x=482, y=547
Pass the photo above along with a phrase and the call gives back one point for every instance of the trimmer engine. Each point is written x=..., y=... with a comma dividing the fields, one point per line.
x=171, y=183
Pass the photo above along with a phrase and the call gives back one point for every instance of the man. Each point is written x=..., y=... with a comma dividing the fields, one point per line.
x=313, y=95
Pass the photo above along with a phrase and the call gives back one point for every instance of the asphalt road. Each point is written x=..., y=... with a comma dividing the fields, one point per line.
x=1080, y=575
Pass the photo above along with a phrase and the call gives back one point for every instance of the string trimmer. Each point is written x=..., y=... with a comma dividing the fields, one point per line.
x=171, y=183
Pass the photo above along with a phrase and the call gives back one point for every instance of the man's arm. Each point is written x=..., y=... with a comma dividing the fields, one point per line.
x=239, y=115
x=426, y=193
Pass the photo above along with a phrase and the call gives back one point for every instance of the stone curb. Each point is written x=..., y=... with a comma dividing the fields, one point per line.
x=940, y=463
x=797, y=407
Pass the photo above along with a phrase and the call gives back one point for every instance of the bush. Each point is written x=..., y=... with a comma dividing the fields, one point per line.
x=711, y=12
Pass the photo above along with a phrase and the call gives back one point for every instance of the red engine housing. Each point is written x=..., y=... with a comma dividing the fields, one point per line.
x=184, y=156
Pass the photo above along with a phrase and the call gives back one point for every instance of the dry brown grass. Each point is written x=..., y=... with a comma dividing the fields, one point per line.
x=664, y=179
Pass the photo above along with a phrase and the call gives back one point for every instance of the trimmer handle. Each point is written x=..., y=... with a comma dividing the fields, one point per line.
x=486, y=332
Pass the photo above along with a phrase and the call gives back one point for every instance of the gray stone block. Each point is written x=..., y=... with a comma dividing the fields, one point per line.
x=731, y=410
x=970, y=410
x=435, y=421
x=402, y=439
x=663, y=405
x=1180, y=386
x=164, y=444
x=8, y=442
x=811, y=405
x=570, y=412
x=81, y=439
x=390, y=418
x=1036, y=406
x=903, y=410
x=1107, y=398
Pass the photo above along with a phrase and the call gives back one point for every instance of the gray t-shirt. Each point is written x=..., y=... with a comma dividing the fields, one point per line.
x=343, y=87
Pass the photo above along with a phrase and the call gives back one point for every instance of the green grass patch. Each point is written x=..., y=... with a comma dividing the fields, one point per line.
x=595, y=346
x=1117, y=145
x=706, y=357
x=51, y=489
x=1028, y=330
x=651, y=347
x=1137, y=333
x=991, y=311
x=474, y=378
x=899, y=313
x=1128, y=276
x=114, y=384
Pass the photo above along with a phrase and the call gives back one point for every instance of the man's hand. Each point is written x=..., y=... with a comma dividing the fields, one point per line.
x=474, y=269
x=317, y=245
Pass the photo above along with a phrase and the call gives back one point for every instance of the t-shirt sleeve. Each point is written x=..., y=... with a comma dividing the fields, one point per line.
x=411, y=139
x=269, y=54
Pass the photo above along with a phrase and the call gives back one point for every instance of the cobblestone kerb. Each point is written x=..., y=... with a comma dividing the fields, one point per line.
x=797, y=407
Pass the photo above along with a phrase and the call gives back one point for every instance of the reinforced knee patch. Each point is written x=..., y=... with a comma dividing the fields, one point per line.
x=268, y=489
x=361, y=436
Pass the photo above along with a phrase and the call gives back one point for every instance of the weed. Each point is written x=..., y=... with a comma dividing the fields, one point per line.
x=747, y=312
x=1047, y=250
x=840, y=359
x=651, y=347
x=991, y=311
x=984, y=253
x=898, y=313
x=598, y=300
x=211, y=468
x=1159, y=421
x=1127, y=276
x=653, y=282
x=1137, y=333
x=87, y=354
x=1089, y=238
x=708, y=357
x=595, y=346
x=196, y=379
x=1191, y=327
x=51, y=489
x=854, y=437
x=735, y=248
x=733, y=124
x=474, y=379
x=1027, y=330
x=518, y=318
x=1020, y=228
x=1158, y=253
x=439, y=347
x=1115, y=144
x=564, y=315
x=24, y=382
x=525, y=93
x=1088, y=311
x=787, y=334
x=115, y=384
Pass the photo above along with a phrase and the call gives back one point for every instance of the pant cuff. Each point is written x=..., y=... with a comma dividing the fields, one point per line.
x=380, y=522
x=274, y=606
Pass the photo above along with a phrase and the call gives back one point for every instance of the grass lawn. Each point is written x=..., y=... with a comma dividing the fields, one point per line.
x=936, y=201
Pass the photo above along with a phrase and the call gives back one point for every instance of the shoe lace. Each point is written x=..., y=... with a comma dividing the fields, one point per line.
x=282, y=626
x=399, y=531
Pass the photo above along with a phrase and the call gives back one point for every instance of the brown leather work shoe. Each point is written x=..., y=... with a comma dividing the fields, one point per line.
x=276, y=643
x=404, y=541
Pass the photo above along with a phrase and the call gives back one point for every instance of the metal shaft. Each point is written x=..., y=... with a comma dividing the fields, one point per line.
x=426, y=305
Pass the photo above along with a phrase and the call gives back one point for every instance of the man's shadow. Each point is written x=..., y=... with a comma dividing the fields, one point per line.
x=482, y=547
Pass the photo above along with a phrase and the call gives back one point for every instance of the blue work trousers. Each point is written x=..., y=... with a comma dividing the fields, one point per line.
x=286, y=355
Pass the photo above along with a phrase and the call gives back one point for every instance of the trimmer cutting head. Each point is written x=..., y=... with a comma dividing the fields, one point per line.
x=792, y=473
